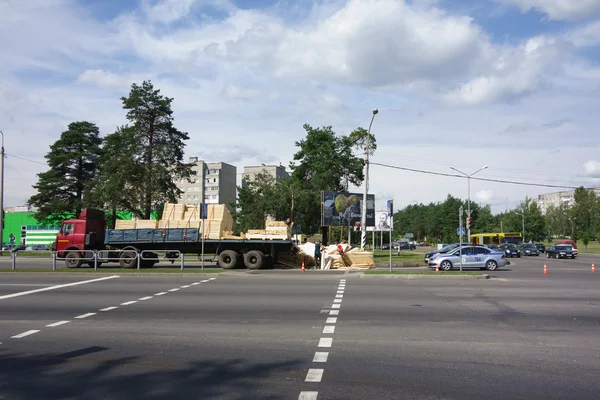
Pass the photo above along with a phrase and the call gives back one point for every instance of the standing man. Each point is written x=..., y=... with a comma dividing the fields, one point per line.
x=318, y=254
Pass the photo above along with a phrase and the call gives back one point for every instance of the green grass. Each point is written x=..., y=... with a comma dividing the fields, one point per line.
x=413, y=256
x=420, y=272
x=121, y=270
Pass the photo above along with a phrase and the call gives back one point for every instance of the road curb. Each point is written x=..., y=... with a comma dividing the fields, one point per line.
x=428, y=276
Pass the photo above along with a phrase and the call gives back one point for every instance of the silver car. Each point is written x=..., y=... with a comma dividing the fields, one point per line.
x=472, y=257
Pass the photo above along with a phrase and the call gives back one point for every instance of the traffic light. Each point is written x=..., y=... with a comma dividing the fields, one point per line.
x=469, y=219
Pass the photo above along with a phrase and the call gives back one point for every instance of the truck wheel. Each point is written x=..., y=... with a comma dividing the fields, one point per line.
x=228, y=259
x=148, y=263
x=73, y=259
x=254, y=259
x=127, y=259
x=91, y=264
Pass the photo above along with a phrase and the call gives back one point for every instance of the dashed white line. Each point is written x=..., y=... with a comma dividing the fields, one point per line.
x=332, y=320
x=337, y=300
x=145, y=298
x=59, y=323
x=160, y=294
x=334, y=312
x=8, y=296
x=82, y=316
x=129, y=302
x=320, y=356
x=22, y=335
x=211, y=279
x=340, y=292
x=329, y=329
x=195, y=283
x=308, y=396
x=325, y=342
x=204, y=281
x=339, y=296
x=174, y=289
x=336, y=306
x=185, y=286
x=109, y=308
x=314, y=375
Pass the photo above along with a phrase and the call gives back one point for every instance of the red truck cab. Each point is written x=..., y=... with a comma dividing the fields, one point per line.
x=77, y=235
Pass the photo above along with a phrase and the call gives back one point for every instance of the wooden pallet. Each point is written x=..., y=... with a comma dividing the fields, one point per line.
x=266, y=237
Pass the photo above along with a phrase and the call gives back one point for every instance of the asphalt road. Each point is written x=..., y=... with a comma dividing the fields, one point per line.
x=289, y=335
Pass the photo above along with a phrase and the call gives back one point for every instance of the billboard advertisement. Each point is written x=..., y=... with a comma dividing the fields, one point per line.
x=345, y=209
x=383, y=222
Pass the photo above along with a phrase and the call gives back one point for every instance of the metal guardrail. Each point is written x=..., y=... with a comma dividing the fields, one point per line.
x=180, y=256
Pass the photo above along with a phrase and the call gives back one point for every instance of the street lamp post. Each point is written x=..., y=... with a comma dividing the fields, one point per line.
x=1, y=192
x=363, y=218
x=522, y=224
x=469, y=196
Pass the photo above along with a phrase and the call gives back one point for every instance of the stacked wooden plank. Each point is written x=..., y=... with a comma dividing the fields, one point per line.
x=274, y=230
x=125, y=224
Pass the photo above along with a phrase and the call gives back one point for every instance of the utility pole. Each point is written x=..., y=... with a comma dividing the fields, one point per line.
x=2, y=193
x=469, y=197
x=363, y=219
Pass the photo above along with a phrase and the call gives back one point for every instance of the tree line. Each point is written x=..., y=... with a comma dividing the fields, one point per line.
x=437, y=222
x=136, y=168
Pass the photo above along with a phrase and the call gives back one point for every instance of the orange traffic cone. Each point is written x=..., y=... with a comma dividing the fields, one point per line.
x=437, y=268
x=303, y=266
x=593, y=268
x=545, y=270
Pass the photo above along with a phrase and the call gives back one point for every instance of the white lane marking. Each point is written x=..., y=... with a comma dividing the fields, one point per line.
x=8, y=296
x=337, y=300
x=334, y=312
x=340, y=292
x=160, y=294
x=59, y=323
x=308, y=396
x=325, y=342
x=329, y=329
x=145, y=298
x=332, y=320
x=314, y=375
x=336, y=306
x=339, y=296
x=320, y=356
x=129, y=302
x=174, y=290
x=82, y=316
x=195, y=283
x=185, y=287
x=109, y=308
x=22, y=335
x=212, y=279
x=342, y=281
x=204, y=281
x=325, y=311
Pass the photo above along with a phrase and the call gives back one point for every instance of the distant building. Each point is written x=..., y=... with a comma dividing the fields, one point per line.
x=278, y=172
x=214, y=182
x=557, y=198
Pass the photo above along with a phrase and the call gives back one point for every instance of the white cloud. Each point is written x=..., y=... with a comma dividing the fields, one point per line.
x=585, y=35
x=592, y=168
x=484, y=196
x=103, y=78
x=559, y=9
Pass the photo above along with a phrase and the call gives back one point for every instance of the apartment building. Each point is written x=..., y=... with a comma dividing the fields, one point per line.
x=557, y=198
x=216, y=183
x=276, y=171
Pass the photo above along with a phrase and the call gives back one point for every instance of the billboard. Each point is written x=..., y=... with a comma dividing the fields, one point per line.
x=383, y=222
x=345, y=209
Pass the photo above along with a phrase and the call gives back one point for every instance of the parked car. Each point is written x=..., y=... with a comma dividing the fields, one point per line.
x=568, y=242
x=510, y=250
x=492, y=246
x=541, y=248
x=443, y=250
x=529, y=250
x=479, y=257
x=561, y=251
x=405, y=246
x=37, y=247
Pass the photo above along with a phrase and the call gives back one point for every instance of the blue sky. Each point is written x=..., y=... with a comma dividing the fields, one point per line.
x=512, y=84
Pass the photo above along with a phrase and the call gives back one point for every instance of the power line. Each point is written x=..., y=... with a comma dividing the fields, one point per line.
x=26, y=159
x=474, y=178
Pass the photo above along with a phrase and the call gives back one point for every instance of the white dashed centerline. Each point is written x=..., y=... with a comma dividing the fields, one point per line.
x=129, y=302
x=174, y=290
x=331, y=320
x=160, y=294
x=334, y=312
x=308, y=396
x=320, y=356
x=325, y=342
x=22, y=335
x=145, y=298
x=82, y=316
x=339, y=296
x=109, y=308
x=337, y=300
x=195, y=283
x=314, y=375
x=185, y=286
x=336, y=306
x=329, y=329
x=59, y=323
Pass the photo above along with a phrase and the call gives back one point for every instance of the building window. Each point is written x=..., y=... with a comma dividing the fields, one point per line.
x=189, y=197
x=189, y=189
x=196, y=189
x=195, y=197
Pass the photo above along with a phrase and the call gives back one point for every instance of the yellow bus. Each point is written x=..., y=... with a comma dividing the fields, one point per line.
x=496, y=238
